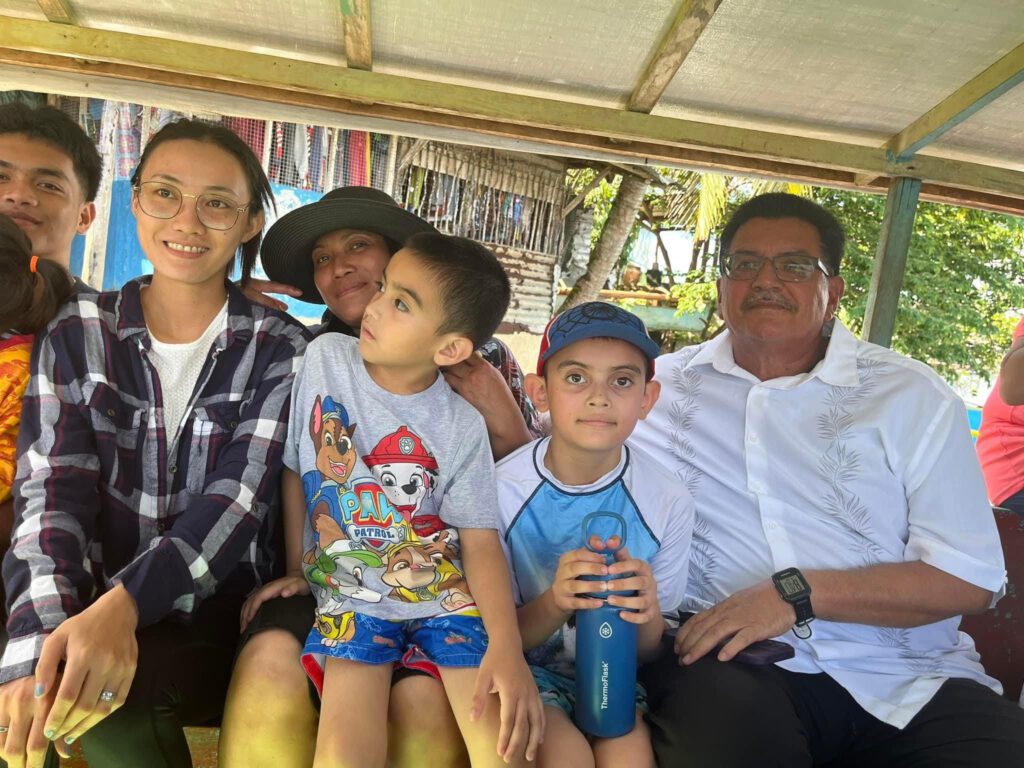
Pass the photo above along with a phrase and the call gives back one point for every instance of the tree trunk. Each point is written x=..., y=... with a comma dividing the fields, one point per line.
x=609, y=246
x=664, y=255
x=705, y=255
x=695, y=254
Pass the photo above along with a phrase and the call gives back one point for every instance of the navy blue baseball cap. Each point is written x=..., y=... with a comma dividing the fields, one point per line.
x=596, y=319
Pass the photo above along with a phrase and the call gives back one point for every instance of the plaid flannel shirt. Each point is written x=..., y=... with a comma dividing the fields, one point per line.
x=106, y=494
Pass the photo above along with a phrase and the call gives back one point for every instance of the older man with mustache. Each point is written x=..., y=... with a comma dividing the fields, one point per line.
x=840, y=510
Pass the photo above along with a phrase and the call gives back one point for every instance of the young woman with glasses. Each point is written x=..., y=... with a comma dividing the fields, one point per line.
x=150, y=453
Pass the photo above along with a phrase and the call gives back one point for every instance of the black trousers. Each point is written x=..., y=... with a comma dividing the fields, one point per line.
x=182, y=679
x=734, y=715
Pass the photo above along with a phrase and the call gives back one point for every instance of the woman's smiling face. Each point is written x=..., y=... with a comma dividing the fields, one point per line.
x=182, y=248
x=348, y=265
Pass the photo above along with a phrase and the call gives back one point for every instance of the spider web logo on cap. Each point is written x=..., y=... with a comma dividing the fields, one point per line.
x=594, y=319
x=594, y=312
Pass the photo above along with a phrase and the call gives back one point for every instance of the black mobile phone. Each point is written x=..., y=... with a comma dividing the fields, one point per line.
x=764, y=652
x=761, y=653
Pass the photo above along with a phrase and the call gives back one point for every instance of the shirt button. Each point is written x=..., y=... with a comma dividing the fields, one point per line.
x=173, y=468
x=161, y=526
x=752, y=439
x=756, y=487
x=232, y=424
x=111, y=412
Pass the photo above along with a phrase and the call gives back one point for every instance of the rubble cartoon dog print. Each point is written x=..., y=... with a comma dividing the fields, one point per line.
x=418, y=572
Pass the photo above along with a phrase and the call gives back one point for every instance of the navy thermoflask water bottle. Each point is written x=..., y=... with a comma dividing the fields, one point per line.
x=605, y=656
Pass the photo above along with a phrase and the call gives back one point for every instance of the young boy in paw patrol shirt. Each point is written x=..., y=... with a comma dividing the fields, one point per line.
x=594, y=377
x=390, y=514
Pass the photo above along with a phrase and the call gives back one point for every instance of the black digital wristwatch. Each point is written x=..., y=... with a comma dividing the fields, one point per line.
x=794, y=589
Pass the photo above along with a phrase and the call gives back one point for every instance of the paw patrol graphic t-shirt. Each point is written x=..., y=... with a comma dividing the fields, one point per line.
x=388, y=481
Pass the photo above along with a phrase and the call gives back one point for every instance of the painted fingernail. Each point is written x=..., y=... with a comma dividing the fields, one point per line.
x=69, y=740
x=40, y=690
x=50, y=733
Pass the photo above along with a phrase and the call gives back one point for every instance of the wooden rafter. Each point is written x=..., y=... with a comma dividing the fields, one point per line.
x=358, y=35
x=58, y=11
x=959, y=105
x=686, y=28
x=91, y=57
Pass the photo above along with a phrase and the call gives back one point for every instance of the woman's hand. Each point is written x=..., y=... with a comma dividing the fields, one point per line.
x=100, y=652
x=286, y=586
x=22, y=717
x=483, y=387
x=256, y=291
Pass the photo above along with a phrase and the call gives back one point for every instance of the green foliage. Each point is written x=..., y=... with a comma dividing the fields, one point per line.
x=599, y=199
x=962, y=293
x=964, y=273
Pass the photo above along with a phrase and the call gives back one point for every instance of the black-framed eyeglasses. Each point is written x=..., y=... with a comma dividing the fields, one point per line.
x=789, y=268
x=163, y=201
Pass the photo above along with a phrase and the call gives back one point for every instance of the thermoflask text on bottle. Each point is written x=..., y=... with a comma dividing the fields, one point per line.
x=605, y=658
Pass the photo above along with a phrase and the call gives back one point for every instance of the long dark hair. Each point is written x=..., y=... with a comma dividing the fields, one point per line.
x=259, y=187
x=20, y=307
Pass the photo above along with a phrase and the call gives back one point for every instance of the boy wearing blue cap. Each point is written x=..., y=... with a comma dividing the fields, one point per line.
x=594, y=376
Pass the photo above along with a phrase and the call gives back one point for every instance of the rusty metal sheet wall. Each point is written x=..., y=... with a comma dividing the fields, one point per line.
x=533, y=287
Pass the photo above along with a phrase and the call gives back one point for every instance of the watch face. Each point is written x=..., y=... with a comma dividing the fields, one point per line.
x=792, y=585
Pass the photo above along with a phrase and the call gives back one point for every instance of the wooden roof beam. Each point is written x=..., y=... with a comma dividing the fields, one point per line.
x=958, y=106
x=688, y=25
x=358, y=34
x=57, y=11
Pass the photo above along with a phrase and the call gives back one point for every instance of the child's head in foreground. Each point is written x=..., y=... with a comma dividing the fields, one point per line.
x=33, y=289
x=441, y=298
x=595, y=375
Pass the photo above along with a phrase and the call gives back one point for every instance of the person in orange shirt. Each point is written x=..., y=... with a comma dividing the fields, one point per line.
x=30, y=294
x=1001, y=437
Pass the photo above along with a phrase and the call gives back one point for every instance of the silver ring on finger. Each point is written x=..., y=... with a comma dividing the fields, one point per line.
x=107, y=696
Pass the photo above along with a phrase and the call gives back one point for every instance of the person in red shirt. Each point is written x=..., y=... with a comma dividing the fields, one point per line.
x=1001, y=437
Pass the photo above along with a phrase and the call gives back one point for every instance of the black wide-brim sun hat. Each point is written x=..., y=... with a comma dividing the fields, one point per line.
x=286, y=249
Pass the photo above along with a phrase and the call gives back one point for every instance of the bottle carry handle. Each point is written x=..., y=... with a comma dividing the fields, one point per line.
x=585, y=525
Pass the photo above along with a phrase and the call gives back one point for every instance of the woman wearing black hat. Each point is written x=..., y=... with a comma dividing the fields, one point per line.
x=334, y=252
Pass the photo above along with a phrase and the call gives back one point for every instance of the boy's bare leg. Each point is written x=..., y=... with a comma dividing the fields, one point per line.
x=422, y=730
x=563, y=746
x=269, y=720
x=630, y=751
x=353, y=715
x=480, y=735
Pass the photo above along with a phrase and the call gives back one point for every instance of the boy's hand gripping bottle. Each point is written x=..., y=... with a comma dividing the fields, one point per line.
x=605, y=652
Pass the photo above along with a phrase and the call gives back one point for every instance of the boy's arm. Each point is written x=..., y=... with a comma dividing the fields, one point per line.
x=503, y=670
x=293, y=501
x=489, y=583
x=539, y=619
x=542, y=616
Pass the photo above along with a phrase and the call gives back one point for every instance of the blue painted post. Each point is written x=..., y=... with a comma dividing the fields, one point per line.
x=891, y=260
